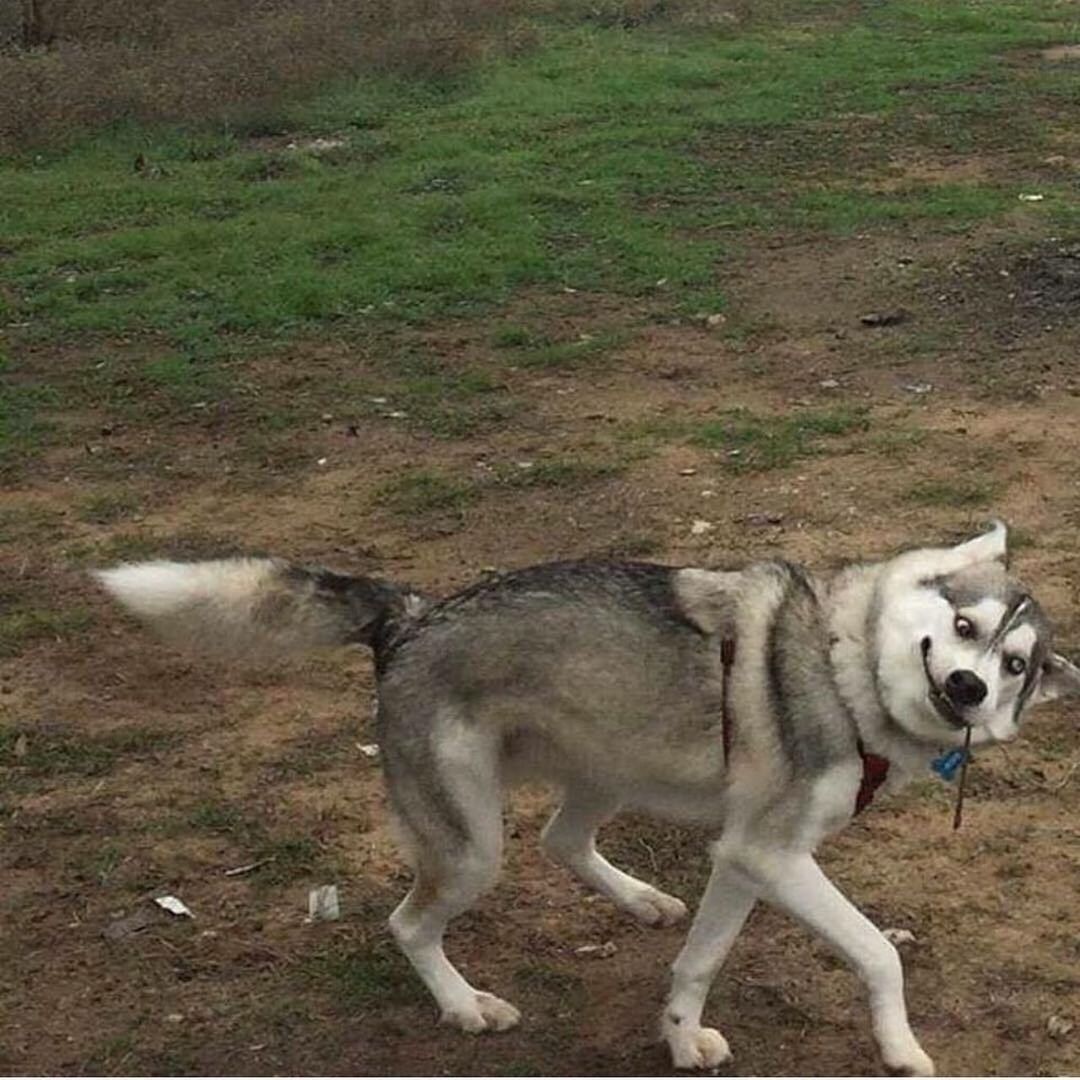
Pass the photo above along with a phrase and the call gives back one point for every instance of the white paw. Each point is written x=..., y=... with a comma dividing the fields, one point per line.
x=485, y=1012
x=695, y=1047
x=655, y=908
x=912, y=1062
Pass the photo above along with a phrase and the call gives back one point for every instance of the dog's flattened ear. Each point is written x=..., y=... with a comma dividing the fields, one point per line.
x=1060, y=678
x=707, y=598
x=985, y=547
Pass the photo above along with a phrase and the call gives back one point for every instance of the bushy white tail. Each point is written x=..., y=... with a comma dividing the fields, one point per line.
x=257, y=607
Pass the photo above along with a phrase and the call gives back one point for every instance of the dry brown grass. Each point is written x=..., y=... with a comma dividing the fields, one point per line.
x=103, y=61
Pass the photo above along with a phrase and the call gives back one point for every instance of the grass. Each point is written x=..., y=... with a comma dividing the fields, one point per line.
x=541, y=171
x=536, y=350
x=56, y=751
x=23, y=426
x=528, y=175
x=748, y=442
x=567, y=472
x=23, y=626
x=952, y=494
x=425, y=491
x=446, y=403
x=283, y=856
x=367, y=975
x=108, y=507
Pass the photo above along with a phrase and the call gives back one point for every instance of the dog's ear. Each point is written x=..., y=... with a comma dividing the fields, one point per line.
x=1060, y=678
x=986, y=547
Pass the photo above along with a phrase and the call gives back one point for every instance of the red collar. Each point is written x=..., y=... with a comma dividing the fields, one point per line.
x=875, y=769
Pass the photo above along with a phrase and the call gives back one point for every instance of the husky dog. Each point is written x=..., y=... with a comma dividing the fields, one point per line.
x=766, y=702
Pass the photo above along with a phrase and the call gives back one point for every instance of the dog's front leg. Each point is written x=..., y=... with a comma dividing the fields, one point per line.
x=724, y=907
x=797, y=884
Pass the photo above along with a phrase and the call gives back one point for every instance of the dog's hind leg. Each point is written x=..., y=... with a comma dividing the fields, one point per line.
x=570, y=838
x=452, y=822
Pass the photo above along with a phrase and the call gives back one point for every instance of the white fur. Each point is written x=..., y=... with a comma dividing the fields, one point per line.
x=228, y=607
x=157, y=590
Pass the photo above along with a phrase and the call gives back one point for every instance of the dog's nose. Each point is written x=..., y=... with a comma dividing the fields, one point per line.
x=965, y=688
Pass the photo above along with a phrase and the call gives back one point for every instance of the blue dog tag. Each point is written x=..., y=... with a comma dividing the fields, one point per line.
x=946, y=765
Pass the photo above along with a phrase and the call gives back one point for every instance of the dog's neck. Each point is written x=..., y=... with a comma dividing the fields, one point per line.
x=851, y=599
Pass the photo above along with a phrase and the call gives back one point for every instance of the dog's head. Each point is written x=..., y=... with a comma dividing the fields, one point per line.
x=961, y=643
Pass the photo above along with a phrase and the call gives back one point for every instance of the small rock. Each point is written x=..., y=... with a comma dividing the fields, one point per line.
x=715, y=320
x=700, y=527
x=174, y=1018
x=766, y=517
x=601, y=951
x=919, y=387
x=322, y=461
x=883, y=318
x=396, y=414
x=327, y=417
x=1057, y=1027
x=369, y=750
x=829, y=384
x=1031, y=198
x=688, y=472
x=378, y=400
x=898, y=936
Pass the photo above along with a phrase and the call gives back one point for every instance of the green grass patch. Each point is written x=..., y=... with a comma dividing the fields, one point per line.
x=30, y=523
x=367, y=975
x=216, y=816
x=54, y=751
x=568, y=355
x=23, y=425
x=282, y=856
x=24, y=626
x=953, y=494
x=107, y=507
x=448, y=403
x=605, y=160
x=749, y=442
x=423, y=491
x=557, y=473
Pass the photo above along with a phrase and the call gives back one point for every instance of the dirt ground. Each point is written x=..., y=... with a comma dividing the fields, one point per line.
x=128, y=770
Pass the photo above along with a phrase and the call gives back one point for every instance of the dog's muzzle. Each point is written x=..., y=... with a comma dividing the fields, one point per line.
x=945, y=702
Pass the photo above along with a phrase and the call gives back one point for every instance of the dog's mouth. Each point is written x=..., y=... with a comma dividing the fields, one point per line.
x=942, y=705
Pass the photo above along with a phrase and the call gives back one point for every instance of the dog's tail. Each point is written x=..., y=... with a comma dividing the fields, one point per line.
x=259, y=608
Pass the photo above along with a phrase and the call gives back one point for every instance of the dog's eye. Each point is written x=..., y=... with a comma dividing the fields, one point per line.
x=965, y=628
x=1015, y=665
